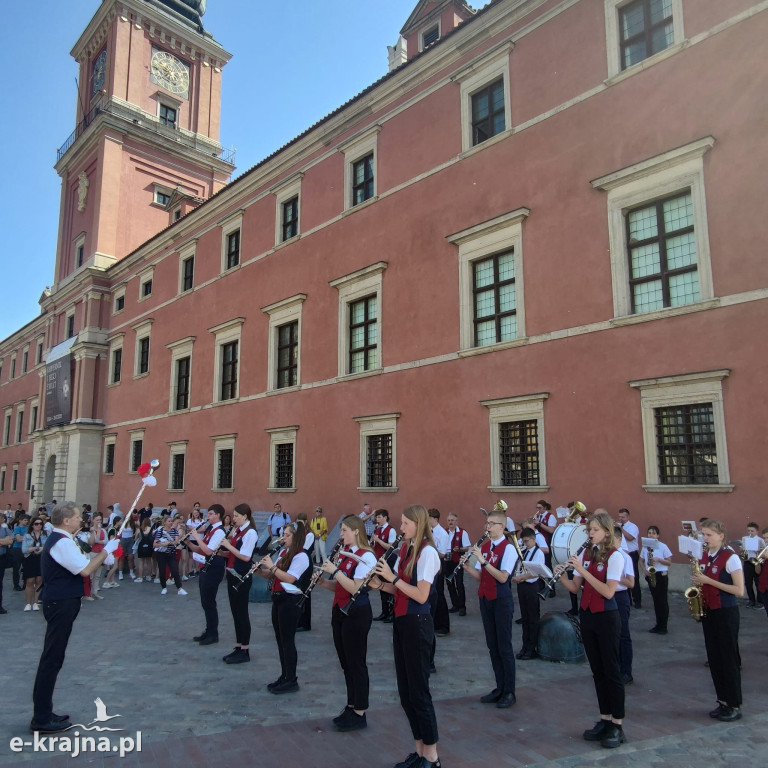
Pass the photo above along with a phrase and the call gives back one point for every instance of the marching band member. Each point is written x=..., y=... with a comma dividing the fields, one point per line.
x=496, y=562
x=305, y=618
x=762, y=571
x=440, y=615
x=350, y=631
x=626, y=583
x=751, y=543
x=721, y=581
x=546, y=522
x=383, y=535
x=630, y=536
x=460, y=543
x=600, y=569
x=289, y=577
x=204, y=547
x=411, y=582
x=240, y=547
x=660, y=559
x=528, y=595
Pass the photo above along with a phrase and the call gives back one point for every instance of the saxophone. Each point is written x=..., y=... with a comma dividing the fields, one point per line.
x=651, y=569
x=694, y=595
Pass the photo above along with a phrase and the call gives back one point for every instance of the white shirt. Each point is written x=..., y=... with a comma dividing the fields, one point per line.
x=67, y=554
x=442, y=539
x=663, y=552
x=427, y=566
x=629, y=570
x=632, y=530
x=616, y=567
x=508, y=559
x=309, y=541
x=368, y=563
x=536, y=557
x=298, y=565
x=213, y=544
x=465, y=542
x=249, y=541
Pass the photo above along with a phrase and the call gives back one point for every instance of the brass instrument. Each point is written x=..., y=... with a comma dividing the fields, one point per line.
x=364, y=583
x=761, y=557
x=579, y=508
x=318, y=574
x=559, y=571
x=651, y=569
x=694, y=595
x=500, y=506
x=463, y=559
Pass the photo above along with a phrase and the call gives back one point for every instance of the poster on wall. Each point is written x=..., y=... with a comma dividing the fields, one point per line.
x=58, y=385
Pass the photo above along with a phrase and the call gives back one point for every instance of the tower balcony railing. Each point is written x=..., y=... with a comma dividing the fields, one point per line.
x=77, y=133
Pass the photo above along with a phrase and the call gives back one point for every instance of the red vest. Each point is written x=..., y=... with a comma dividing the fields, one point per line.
x=208, y=535
x=714, y=597
x=489, y=587
x=762, y=582
x=591, y=599
x=236, y=542
x=404, y=604
x=275, y=584
x=383, y=533
x=547, y=518
x=347, y=566
x=456, y=538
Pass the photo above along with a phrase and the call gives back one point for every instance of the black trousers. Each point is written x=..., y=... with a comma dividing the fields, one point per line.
x=163, y=559
x=305, y=617
x=625, y=642
x=3, y=562
x=16, y=560
x=600, y=634
x=721, y=639
x=442, y=619
x=59, y=615
x=412, y=637
x=497, y=618
x=209, y=586
x=528, y=597
x=238, y=604
x=637, y=593
x=455, y=586
x=285, y=617
x=660, y=596
x=751, y=582
x=350, y=637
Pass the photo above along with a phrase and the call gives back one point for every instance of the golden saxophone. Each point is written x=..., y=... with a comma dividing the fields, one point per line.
x=694, y=595
x=651, y=569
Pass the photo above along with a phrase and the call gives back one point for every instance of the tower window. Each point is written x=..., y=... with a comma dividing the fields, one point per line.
x=168, y=116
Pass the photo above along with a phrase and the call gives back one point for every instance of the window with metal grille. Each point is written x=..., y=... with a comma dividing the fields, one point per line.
x=362, y=179
x=488, y=112
x=363, y=335
x=177, y=472
x=182, y=383
x=144, y=355
x=431, y=36
x=224, y=469
x=188, y=274
x=229, y=370
x=284, y=465
x=168, y=116
x=495, y=301
x=233, y=249
x=685, y=444
x=661, y=244
x=519, y=452
x=645, y=28
x=109, y=459
x=290, y=218
x=2, y=480
x=117, y=365
x=137, y=448
x=379, y=461
x=288, y=354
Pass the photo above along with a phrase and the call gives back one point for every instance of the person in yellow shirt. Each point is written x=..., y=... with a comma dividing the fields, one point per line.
x=319, y=526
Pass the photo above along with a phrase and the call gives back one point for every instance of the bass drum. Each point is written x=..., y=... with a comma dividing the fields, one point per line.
x=566, y=539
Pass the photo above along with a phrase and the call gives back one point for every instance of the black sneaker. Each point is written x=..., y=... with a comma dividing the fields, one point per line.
x=462, y=611
x=354, y=722
x=596, y=733
x=287, y=686
x=715, y=713
x=277, y=682
x=409, y=761
x=729, y=714
x=2, y=610
x=613, y=736
x=233, y=653
x=240, y=656
x=343, y=715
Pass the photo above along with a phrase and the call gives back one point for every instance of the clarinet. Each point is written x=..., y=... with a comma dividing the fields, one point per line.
x=556, y=576
x=318, y=574
x=215, y=553
x=463, y=559
x=255, y=567
x=364, y=583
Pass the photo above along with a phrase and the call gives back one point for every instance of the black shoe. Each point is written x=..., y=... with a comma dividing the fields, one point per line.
x=453, y=610
x=287, y=686
x=715, y=713
x=277, y=682
x=627, y=679
x=200, y=637
x=303, y=629
x=492, y=697
x=49, y=726
x=518, y=621
x=527, y=656
x=234, y=652
x=2, y=610
x=462, y=611
x=388, y=619
x=59, y=718
x=442, y=633
x=209, y=640
x=380, y=617
x=240, y=656
x=520, y=655
x=354, y=722
x=729, y=714
x=424, y=763
x=506, y=701
x=433, y=670
x=596, y=733
x=657, y=631
x=409, y=761
x=343, y=715
x=18, y=589
x=613, y=736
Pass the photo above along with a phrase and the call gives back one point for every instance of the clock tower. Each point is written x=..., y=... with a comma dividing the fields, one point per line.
x=145, y=150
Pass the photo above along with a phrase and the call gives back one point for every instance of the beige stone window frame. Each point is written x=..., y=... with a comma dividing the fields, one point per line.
x=280, y=313
x=116, y=343
x=25, y=359
x=227, y=332
x=428, y=28
x=179, y=350
x=613, y=38
x=283, y=192
x=512, y=409
x=186, y=253
x=78, y=243
x=176, y=448
x=146, y=276
x=281, y=436
x=118, y=294
x=143, y=330
x=477, y=75
x=134, y=436
x=19, y=431
x=69, y=319
x=677, y=170
x=380, y=424
x=28, y=477
x=477, y=243
x=229, y=226
x=683, y=389
x=34, y=415
x=7, y=424
x=223, y=443
x=353, y=287
x=108, y=440
x=357, y=147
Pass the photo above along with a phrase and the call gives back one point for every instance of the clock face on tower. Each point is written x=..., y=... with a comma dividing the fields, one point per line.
x=98, y=73
x=169, y=72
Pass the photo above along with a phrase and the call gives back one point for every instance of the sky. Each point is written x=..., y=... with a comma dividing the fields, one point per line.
x=294, y=61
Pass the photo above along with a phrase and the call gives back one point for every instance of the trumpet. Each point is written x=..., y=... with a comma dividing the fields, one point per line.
x=694, y=595
x=318, y=574
x=760, y=558
x=559, y=571
x=463, y=559
x=364, y=583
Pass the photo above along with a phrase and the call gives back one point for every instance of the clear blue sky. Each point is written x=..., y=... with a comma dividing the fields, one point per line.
x=293, y=62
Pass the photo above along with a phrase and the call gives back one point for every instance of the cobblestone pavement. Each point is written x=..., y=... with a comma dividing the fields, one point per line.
x=134, y=651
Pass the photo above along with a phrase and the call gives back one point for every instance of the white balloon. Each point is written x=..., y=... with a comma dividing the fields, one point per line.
x=149, y=480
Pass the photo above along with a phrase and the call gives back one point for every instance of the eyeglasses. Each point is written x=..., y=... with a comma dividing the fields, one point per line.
x=34, y=524
x=490, y=525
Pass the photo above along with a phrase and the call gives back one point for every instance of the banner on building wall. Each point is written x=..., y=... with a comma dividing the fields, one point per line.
x=58, y=385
